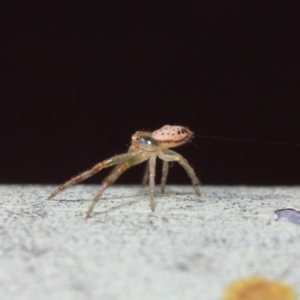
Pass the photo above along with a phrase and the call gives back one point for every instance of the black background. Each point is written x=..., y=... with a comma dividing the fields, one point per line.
x=80, y=77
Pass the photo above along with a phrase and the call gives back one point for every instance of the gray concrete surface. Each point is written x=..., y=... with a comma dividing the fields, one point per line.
x=189, y=248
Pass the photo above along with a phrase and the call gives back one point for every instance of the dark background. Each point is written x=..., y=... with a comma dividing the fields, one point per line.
x=80, y=77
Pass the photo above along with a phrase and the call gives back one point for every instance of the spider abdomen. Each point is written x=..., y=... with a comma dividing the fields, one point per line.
x=172, y=136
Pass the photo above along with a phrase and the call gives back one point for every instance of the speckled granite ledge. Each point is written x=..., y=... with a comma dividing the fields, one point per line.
x=189, y=248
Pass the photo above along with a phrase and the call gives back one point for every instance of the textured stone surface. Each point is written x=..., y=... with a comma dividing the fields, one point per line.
x=189, y=248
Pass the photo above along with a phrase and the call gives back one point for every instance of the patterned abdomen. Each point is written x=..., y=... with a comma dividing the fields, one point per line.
x=172, y=136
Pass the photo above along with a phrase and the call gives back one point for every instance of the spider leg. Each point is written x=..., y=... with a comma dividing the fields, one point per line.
x=170, y=155
x=118, y=159
x=113, y=176
x=146, y=175
x=165, y=170
x=152, y=163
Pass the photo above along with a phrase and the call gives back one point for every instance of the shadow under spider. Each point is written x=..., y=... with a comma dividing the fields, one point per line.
x=141, y=196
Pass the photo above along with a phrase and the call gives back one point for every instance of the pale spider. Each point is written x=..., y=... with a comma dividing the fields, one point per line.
x=144, y=146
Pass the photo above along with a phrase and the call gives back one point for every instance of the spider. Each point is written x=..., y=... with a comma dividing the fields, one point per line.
x=144, y=146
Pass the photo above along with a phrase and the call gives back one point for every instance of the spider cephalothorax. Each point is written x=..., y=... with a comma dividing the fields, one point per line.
x=144, y=146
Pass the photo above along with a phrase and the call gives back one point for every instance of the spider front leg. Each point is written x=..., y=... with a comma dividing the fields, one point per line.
x=145, y=179
x=170, y=155
x=113, y=176
x=98, y=167
x=152, y=163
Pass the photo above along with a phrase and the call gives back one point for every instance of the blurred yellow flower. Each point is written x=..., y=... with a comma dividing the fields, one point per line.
x=258, y=288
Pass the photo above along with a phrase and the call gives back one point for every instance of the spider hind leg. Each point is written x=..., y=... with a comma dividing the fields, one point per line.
x=171, y=155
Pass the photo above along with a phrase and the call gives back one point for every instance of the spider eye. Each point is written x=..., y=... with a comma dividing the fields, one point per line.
x=147, y=141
